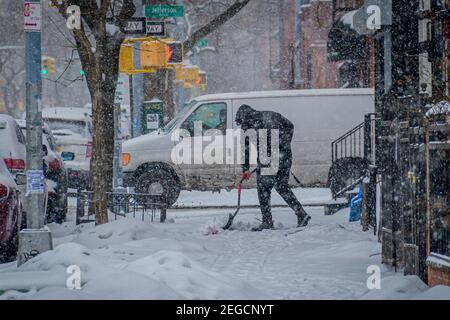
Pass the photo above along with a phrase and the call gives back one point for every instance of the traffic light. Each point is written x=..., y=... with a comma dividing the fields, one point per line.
x=126, y=58
x=48, y=66
x=153, y=54
x=174, y=53
x=191, y=74
x=179, y=73
x=202, y=79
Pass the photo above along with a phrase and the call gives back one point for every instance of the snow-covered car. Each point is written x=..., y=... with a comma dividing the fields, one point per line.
x=152, y=164
x=72, y=129
x=13, y=149
x=55, y=174
x=9, y=213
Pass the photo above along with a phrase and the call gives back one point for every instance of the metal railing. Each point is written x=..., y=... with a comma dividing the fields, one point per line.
x=121, y=204
x=359, y=142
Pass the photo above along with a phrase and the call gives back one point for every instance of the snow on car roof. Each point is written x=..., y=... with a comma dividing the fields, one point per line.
x=9, y=146
x=5, y=118
x=74, y=114
x=285, y=93
x=23, y=125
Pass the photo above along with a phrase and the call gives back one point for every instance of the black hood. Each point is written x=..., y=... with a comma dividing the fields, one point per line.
x=245, y=116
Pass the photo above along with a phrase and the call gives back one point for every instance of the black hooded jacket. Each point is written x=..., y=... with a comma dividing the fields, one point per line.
x=248, y=118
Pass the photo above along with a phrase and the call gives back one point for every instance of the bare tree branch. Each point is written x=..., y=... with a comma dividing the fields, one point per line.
x=214, y=24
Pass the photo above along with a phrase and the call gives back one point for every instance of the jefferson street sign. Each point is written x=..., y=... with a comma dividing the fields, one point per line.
x=164, y=11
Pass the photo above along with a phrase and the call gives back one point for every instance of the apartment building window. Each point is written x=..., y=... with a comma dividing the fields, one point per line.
x=309, y=71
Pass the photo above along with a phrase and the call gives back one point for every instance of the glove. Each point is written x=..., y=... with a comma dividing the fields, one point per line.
x=246, y=176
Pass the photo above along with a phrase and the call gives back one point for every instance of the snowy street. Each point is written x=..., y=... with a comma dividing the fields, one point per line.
x=131, y=259
x=237, y=150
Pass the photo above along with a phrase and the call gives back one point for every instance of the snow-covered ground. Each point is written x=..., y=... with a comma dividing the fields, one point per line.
x=307, y=196
x=185, y=259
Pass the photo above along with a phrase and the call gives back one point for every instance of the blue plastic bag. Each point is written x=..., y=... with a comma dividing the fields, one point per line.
x=355, y=206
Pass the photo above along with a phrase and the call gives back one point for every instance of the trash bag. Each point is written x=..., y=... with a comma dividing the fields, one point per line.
x=355, y=206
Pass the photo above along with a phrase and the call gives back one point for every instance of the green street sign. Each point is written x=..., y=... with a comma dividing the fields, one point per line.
x=164, y=11
x=202, y=43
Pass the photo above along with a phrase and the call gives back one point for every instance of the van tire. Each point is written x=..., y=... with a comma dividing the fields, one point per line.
x=158, y=175
x=345, y=170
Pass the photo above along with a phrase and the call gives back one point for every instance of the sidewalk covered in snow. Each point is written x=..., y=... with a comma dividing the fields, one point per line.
x=133, y=259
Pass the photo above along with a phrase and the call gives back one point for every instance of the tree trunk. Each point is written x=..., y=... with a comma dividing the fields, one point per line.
x=103, y=155
x=103, y=122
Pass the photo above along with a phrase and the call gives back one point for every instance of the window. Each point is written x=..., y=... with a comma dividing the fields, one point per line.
x=309, y=71
x=20, y=136
x=68, y=127
x=211, y=115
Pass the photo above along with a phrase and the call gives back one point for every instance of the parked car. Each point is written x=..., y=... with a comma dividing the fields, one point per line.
x=9, y=214
x=319, y=116
x=55, y=174
x=13, y=149
x=72, y=129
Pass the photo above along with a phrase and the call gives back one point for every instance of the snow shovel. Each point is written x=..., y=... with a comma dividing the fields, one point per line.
x=232, y=216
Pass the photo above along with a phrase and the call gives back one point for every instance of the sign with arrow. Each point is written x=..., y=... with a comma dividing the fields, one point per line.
x=135, y=26
x=156, y=28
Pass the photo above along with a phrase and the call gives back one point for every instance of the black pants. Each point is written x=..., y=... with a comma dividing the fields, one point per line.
x=280, y=182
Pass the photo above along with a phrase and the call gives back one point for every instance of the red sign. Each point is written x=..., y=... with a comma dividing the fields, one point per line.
x=32, y=15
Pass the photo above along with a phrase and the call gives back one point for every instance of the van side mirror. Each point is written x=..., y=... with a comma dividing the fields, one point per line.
x=67, y=156
x=21, y=179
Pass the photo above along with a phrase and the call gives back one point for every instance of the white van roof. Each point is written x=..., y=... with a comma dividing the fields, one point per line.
x=285, y=93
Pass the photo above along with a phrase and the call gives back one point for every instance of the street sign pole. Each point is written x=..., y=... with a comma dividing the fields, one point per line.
x=34, y=240
x=137, y=85
x=117, y=169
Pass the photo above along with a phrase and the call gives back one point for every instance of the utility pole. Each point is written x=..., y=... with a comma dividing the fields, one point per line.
x=35, y=239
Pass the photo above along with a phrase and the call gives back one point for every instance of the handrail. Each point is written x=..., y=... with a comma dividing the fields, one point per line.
x=357, y=142
x=349, y=139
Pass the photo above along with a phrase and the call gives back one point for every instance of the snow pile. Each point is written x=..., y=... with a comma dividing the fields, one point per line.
x=124, y=259
x=116, y=232
x=163, y=275
x=191, y=280
x=408, y=287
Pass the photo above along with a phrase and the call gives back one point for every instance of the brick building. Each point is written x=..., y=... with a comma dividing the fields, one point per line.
x=316, y=71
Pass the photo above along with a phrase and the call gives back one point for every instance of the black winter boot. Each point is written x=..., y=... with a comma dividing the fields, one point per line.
x=266, y=224
x=303, y=219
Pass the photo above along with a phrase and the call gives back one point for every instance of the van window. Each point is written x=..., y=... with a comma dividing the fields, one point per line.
x=62, y=127
x=178, y=117
x=211, y=115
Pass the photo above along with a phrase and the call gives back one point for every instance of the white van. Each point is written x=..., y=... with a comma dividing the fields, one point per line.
x=319, y=117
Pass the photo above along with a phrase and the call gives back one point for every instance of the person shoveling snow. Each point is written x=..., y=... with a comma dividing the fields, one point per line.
x=248, y=119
